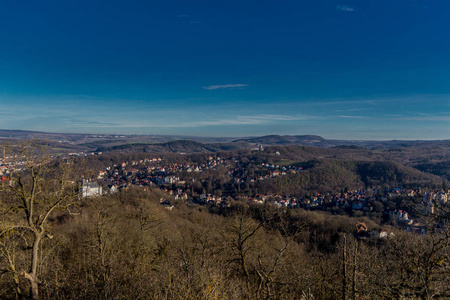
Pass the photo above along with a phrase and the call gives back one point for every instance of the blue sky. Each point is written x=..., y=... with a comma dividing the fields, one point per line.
x=357, y=69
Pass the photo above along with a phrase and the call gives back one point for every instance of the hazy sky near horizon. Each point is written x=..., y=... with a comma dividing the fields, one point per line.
x=356, y=69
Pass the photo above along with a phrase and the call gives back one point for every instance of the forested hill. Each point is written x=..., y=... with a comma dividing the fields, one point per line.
x=331, y=176
x=179, y=146
x=306, y=140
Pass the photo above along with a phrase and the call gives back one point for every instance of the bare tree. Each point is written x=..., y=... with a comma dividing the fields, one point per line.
x=243, y=231
x=37, y=187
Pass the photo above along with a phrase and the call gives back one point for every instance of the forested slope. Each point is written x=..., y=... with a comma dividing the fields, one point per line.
x=128, y=246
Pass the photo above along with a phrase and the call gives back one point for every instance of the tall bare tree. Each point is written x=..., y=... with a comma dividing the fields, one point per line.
x=37, y=187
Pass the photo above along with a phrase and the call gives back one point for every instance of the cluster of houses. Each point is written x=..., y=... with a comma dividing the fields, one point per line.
x=84, y=153
x=10, y=164
x=170, y=178
x=154, y=171
x=4, y=171
x=431, y=199
x=263, y=172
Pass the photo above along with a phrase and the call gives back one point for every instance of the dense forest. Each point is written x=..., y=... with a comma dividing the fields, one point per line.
x=128, y=246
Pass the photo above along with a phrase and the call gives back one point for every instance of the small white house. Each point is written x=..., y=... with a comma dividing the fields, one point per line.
x=89, y=189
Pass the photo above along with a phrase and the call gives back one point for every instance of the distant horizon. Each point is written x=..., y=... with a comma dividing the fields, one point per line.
x=353, y=70
x=214, y=137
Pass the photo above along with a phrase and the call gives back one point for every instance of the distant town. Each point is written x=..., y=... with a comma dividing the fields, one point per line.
x=177, y=180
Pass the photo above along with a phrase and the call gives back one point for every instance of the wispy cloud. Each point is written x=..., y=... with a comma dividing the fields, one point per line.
x=351, y=109
x=9, y=113
x=263, y=119
x=353, y=117
x=345, y=8
x=224, y=86
x=90, y=123
x=347, y=102
x=189, y=19
x=250, y=120
x=428, y=118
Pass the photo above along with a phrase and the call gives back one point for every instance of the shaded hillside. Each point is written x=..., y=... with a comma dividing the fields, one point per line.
x=333, y=176
x=268, y=139
x=393, y=174
x=441, y=168
x=179, y=146
x=322, y=176
x=434, y=160
x=185, y=146
x=307, y=140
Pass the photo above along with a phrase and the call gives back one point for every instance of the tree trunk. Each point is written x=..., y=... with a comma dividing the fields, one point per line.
x=34, y=290
x=344, y=270
x=355, y=261
x=32, y=276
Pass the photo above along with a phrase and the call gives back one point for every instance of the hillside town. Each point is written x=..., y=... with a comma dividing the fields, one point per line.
x=191, y=182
